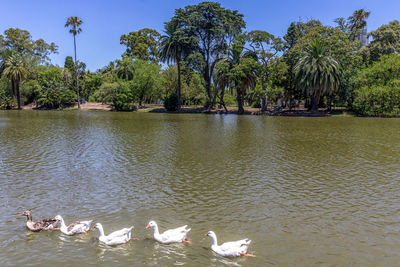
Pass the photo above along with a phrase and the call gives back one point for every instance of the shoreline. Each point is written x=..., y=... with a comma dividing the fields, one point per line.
x=152, y=108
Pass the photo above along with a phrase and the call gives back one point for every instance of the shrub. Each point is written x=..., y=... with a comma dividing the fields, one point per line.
x=256, y=104
x=28, y=91
x=6, y=101
x=171, y=102
x=123, y=99
x=52, y=91
x=106, y=93
x=377, y=100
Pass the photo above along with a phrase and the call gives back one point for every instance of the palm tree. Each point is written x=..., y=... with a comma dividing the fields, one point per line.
x=238, y=71
x=74, y=23
x=357, y=22
x=317, y=72
x=174, y=46
x=125, y=68
x=16, y=71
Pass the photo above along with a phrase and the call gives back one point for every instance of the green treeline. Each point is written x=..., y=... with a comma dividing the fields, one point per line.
x=205, y=57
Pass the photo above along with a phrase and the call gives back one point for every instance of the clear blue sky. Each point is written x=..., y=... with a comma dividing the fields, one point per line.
x=105, y=21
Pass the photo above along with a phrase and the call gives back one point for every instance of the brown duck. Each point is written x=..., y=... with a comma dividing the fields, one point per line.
x=44, y=224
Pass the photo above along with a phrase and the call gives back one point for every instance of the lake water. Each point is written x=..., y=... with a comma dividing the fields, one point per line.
x=307, y=191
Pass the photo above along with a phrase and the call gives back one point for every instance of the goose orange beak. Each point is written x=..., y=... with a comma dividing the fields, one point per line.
x=22, y=214
x=53, y=219
x=148, y=226
x=206, y=234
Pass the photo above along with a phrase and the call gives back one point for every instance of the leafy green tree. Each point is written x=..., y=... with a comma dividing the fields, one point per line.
x=91, y=83
x=16, y=71
x=124, y=97
x=386, y=40
x=21, y=42
x=342, y=24
x=377, y=87
x=317, y=72
x=142, y=44
x=295, y=41
x=174, y=46
x=146, y=81
x=53, y=92
x=69, y=65
x=237, y=70
x=106, y=92
x=74, y=23
x=6, y=100
x=266, y=47
x=213, y=27
x=192, y=87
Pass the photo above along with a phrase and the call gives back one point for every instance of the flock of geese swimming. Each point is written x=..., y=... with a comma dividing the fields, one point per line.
x=177, y=235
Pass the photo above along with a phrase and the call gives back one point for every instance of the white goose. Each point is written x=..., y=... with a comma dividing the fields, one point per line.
x=233, y=249
x=115, y=238
x=77, y=227
x=176, y=235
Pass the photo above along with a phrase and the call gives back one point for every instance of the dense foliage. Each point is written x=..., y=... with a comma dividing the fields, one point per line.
x=205, y=57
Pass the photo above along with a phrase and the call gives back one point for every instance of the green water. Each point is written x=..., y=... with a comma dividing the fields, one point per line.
x=307, y=191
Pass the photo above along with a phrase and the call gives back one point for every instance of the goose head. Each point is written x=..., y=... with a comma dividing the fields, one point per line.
x=151, y=224
x=211, y=234
x=27, y=213
x=58, y=218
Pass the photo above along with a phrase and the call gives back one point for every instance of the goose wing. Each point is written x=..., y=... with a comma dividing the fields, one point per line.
x=120, y=233
x=79, y=227
x=41, y=225
x=235, y=247
x=175, y=234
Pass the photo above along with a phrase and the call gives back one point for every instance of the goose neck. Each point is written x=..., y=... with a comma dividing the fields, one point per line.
x=101, y=230
x=155, y=229
x=62, y=223
x=214, y=240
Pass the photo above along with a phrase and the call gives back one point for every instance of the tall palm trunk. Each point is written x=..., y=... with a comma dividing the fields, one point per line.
x=18, y=94
x=179, y=82
x=12, y=88
x=76, y=75
x=239, y=99
x=314, y=103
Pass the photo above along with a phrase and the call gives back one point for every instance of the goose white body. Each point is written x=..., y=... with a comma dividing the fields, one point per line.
x=77, y=227
x=176, y=235
x=229, y=249
x=115, y=238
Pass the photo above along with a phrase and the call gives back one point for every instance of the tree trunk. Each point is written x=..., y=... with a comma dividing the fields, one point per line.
x=290, y=102
x=18, y=94
x=221, y=100
x=264, y=99
x=314, y=103
x=239, y=101
x=179, y=83
x=76, y=74
x=207, y=79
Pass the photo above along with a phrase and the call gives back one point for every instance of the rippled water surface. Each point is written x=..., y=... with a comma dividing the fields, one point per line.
x=307, y=191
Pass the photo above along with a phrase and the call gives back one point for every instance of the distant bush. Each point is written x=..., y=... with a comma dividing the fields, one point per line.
x=52, y=91
x=171, y=102
x=256, y=104
x=229, y=100
x=6, y=101
x=377, y=88
x=123, y=99
x=28, y=91
x=377, y=100
x=106, y=93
